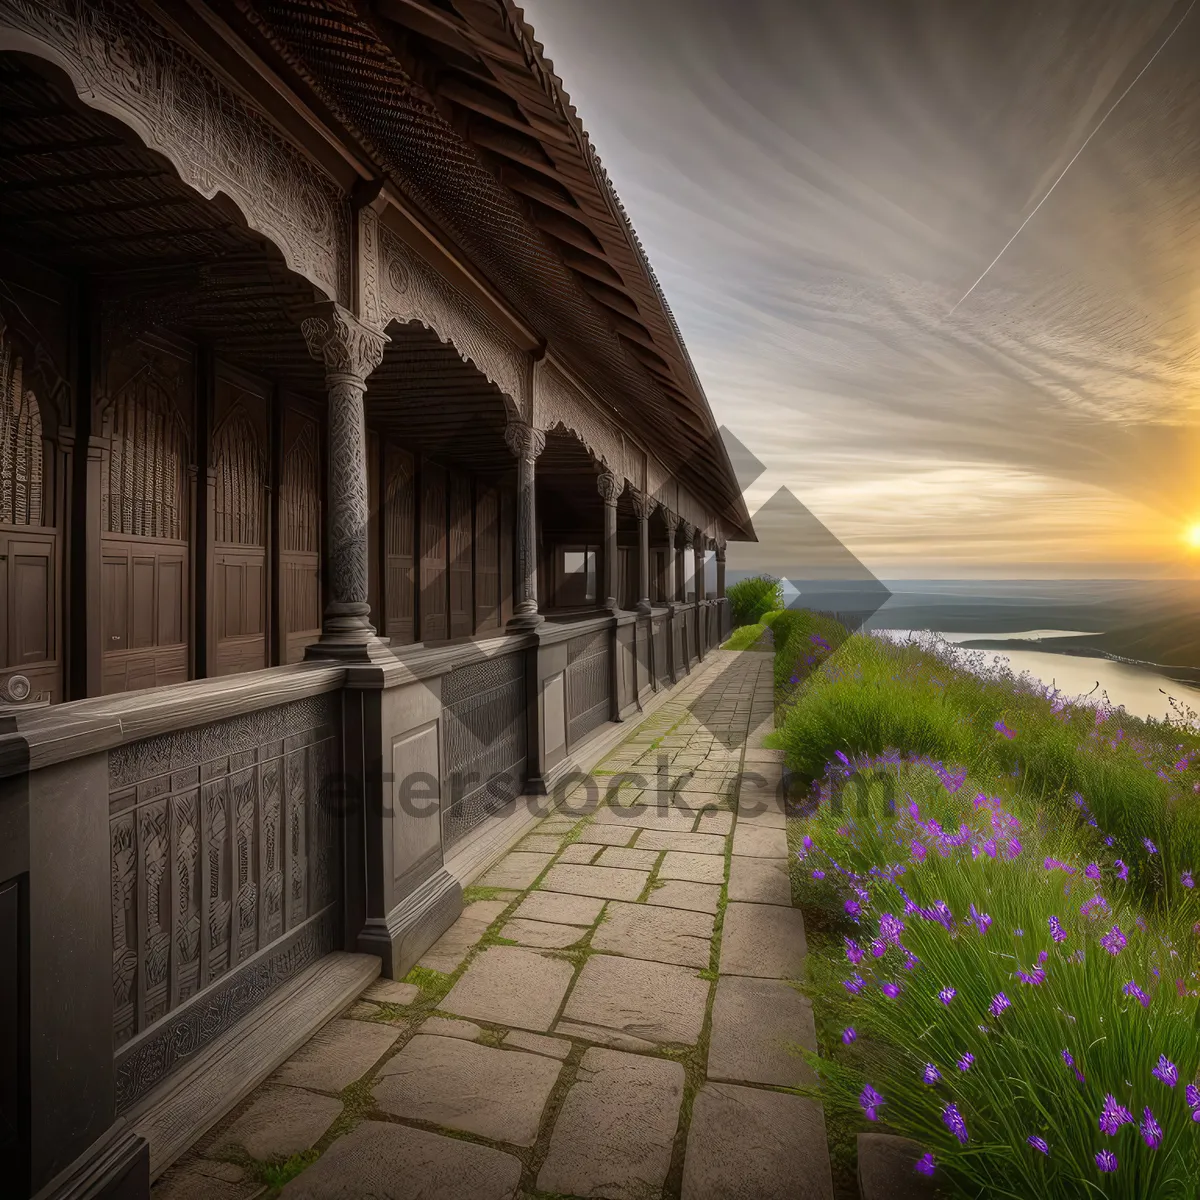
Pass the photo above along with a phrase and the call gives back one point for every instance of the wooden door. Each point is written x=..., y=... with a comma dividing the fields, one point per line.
x=462, y=604
x=487, y=560
x=29, y=591
x=399, y=533
x=299, y=534
x=146, y=499
x=238, y=602
x=434, y=623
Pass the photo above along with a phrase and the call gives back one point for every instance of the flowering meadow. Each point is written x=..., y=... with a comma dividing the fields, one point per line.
x=1003, y=919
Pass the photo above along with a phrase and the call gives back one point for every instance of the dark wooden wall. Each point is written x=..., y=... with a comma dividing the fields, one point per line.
x=164, y=508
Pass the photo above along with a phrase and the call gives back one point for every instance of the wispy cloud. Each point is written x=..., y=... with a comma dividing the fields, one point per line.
x=818, y=184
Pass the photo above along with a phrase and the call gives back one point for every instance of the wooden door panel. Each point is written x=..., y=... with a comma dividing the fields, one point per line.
x=433, y=554
x=299, y=613
x=114, y=602
x=487, y=560
x=31, y=608
x=461, y=601
x=399, y=514
x=300, y=603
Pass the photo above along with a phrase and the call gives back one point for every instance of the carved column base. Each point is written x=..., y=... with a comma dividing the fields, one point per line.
x=644, y=608
x=522, y=622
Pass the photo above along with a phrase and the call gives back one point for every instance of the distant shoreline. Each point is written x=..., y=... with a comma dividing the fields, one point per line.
x=1077, y=648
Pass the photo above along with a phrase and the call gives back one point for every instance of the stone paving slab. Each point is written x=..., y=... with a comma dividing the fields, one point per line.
x=280, y=1122
x=391, y=991
x=637, y=859
x=496, y=1094
x=542, y=934
x=665, y=935
x=608, y=883
x=715, y=821
x=450, y=1027
x=516, y=870
x=559, y=908
x=580, y=852
x=190, y=1182
x=538, y=1043
x=755, y=1025
x=691, y=843
x=757, y=841
x=383, y=1161
x=679, y=893
x=697, y=868
x=338, y=1054
x=752, y=1144
x=760, y=880
x=763, y=940
x=600, y=1036
x=608, y=835
x=650, y=817
x=539, y=843
x=508, y=985
x=653, y=1001
x=614, y=1135
x=453, y=946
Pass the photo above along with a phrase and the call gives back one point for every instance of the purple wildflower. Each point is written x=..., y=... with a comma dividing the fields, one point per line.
x=878, y=948
x=947, y=994
x=1033, y=978
x=953, y=1120
x=853, y=908
x=1004, y=731
x=1166, y=1071
x=1039, y=1144
x=966, y=1062
x=1187, y=880
x=999, y=1003
x=931, y=1074
x=924, y=1165
x=890, y=990
x=854, y=984
x=818, y=874
x=1113, y=1115
x=1192, y=1096
x=1057, y=932
x=980, y=919
x=1150, y=1130
x=918, y=851
x=1114, y=941
x=1122, y=870
x=1151, y=848
x=853, y=951
x=1132, y=989
x=890, y=928
x=869, y=1100
x=848, y=1035
x=1106, y=1160
x=1092, y=870
x=1066, y=1057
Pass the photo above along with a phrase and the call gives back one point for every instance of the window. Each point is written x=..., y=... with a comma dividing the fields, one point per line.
x=576, y=582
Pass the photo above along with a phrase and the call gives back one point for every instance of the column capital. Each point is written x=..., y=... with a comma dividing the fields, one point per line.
x=524, y=441
x=689, y=532
x=671, y=521
x=643, y=504
x=720, y=545
x=610, y=487
x=349, y=349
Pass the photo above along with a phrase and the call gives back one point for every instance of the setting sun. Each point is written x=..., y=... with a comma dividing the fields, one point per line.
x=1191, y=536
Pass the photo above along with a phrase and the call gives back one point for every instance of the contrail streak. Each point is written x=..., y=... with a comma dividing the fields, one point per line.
x=1076, y=155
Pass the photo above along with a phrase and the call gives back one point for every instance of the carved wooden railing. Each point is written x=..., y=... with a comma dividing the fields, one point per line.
x=483, y=740
x=662, y=660
x=224, y=856
x=589, y=684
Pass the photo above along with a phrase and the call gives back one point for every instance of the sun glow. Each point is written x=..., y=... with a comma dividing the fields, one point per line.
x=1191, y=536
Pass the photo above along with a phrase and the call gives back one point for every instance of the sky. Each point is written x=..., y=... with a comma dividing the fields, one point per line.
x=818, y=183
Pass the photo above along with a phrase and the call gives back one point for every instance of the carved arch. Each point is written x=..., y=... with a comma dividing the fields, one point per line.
x=411, y=290
x=559, y=404
x=125, y=65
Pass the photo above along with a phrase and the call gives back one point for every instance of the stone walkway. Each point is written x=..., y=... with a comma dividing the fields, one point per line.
x=609, y=1016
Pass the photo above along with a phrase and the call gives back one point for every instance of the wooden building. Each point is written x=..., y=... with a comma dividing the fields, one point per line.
x=346, y=440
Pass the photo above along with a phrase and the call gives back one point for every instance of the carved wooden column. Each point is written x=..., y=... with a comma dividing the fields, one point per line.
x=672, y=523
x=699, y=550
x=643, y=506
x=721, y=603
x=526, y=443
x=687, y=533
x=350, y=351
x=610, y=488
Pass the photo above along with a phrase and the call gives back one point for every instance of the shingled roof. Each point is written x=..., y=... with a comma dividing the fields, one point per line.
x=457, y=105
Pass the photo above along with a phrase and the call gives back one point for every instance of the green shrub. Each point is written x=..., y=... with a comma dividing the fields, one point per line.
x=750, y=599
x=745, y=637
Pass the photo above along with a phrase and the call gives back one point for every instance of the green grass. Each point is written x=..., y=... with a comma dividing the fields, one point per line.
x=747, y=637
x=1079, y=784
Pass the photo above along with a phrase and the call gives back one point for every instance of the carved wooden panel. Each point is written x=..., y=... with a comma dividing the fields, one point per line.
x=589, y=684
x=299, y=535
x=487, y=559
x=399, y=533
x=222, y=843
x=238, y=599
x=483, y=741
x=662, y=665
x=462, y=604
x=146, y=426
x=29, y=576
x=434, y=599
x=507, y=519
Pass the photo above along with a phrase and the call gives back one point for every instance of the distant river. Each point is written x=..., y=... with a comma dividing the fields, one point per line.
x=1139, y=690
